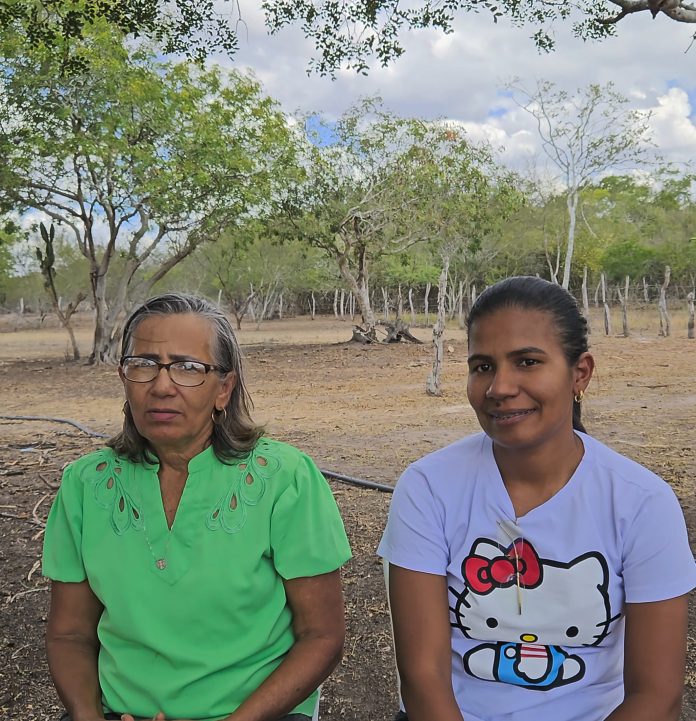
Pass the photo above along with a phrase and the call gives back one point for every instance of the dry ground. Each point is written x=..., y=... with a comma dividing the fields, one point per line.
x=361, y=411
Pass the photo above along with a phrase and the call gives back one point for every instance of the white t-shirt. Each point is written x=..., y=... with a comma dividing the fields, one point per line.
x=536, y=603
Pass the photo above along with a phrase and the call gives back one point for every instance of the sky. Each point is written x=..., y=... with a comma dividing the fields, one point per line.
x=462, y=76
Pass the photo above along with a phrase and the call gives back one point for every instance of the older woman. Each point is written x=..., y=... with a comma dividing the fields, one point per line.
x=194, y=563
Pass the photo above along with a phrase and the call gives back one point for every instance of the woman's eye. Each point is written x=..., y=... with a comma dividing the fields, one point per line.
x=189, y=367
x=481, y=368
x=528, y=362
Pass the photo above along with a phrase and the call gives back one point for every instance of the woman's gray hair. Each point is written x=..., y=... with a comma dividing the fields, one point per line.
x=234, y=432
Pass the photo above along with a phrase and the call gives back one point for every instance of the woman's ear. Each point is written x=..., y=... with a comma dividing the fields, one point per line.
x=582, y=372
x=226, y=387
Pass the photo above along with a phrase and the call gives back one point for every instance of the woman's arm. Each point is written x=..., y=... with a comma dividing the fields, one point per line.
x=654, y=659
x=72, y=647
x=319, y=627
x=422, y=636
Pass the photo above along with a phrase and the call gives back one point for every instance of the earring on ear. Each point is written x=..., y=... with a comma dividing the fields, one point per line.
x=219, y=415
x=579, y=396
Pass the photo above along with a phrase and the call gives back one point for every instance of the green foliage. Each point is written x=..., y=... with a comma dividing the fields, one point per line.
x=629, y=257
x=9, y=234
x=345, y=34
x=352, y=34
x=62, y=27
x=136, y=158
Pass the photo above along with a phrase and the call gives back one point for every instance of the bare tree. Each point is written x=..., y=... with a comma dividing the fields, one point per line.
x=584, y=135
x=47, y=263
x=665, y=320
x=432, y=384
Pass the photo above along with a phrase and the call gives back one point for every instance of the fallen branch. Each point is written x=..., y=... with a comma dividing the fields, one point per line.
x=23, y=518
x=52, y=486
x=12, y=599
x=34, y=568
x=79, y=426
x=34, y=514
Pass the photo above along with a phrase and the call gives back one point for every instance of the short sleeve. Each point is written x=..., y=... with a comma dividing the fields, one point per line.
x=62, y=550
x=307, y=534
x=658, y=563
x=415, y=537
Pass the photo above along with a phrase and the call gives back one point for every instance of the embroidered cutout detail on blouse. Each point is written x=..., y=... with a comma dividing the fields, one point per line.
x=110, y=494
x=246, y=489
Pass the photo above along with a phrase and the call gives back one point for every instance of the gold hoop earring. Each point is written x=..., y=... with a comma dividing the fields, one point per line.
x=579, y=396
x=221, y=416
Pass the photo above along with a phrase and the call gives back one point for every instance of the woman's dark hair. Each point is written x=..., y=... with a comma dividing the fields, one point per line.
x=234, y=432
x=530, y=293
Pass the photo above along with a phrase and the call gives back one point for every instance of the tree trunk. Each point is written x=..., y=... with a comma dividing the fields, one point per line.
x=361, y=291
x=343, y=304
x=572, y=203
x=432, y=384
x=105, y=342
x=690, y=323
x=399, y=304
x=410, y=305
x=665, y=320
x=425, y=303
x=607, y=314
x=313, y=306
x=385, y=302
x=623, y=300
x=646, y=296
x=553, y=270
x=586, y=300
x=335, y=304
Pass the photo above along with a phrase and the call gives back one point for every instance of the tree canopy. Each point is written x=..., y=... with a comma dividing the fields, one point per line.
x=140, y=161
x=345, y=34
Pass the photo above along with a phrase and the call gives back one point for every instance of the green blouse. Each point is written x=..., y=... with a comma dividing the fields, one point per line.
x=194, y=618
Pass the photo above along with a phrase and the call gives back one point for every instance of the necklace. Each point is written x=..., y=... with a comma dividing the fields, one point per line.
x=160, y=563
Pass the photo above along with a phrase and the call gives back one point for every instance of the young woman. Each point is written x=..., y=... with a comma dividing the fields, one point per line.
x=533, y=572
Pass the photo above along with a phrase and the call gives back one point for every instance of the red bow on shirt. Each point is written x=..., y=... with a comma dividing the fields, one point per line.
x=519, y=562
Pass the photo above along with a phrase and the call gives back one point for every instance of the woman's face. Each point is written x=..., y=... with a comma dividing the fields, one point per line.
x=520, y=383
x=174, y=418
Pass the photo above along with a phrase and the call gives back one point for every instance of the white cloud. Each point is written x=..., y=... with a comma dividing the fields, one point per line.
x=460, y=76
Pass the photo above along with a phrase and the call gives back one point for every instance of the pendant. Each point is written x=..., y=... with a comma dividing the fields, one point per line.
x=161, y=564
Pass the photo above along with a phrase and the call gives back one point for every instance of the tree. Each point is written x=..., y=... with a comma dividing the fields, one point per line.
x=346, y=34
x=385, y=184
x=584, y=135
x=142, y=161
x=47, y=258
x=352, y=34
x=253, y=273
x=9, y=233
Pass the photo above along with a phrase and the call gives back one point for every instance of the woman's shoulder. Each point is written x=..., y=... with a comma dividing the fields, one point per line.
x=93, y=461
x=619, y=469
x=460, y=453
x=278, y=450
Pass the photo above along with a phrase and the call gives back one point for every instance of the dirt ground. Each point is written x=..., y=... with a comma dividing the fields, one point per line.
x=361, y=411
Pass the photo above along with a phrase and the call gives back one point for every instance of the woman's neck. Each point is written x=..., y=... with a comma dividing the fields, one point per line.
x=533, y=475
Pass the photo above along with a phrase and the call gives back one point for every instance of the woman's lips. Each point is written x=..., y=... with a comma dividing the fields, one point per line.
x=505, y=418
x=162, y=414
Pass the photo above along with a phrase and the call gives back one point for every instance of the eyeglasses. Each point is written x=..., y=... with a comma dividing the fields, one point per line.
x=183, y=373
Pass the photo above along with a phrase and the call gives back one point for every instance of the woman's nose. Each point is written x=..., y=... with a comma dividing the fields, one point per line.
x=162, y=382
x=502, y=385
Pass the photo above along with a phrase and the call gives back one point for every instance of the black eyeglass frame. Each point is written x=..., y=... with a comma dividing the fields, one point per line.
x=207, y=367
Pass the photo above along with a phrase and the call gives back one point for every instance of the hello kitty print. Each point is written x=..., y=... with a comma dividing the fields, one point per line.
x=529, y=613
